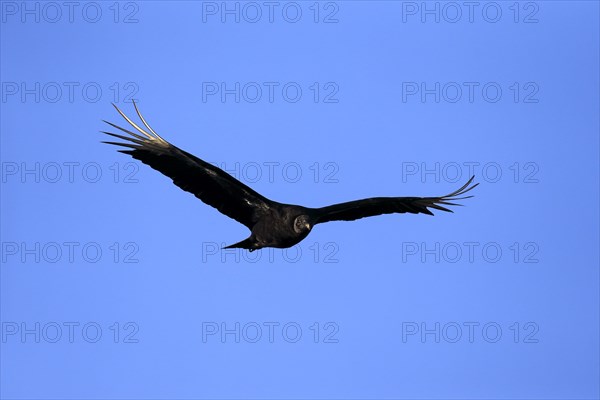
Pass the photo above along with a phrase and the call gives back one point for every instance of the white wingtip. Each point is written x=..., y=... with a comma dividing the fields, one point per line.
x=148, y=135
x=145, y=123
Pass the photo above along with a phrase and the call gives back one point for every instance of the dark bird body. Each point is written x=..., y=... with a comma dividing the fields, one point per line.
x=272, y=224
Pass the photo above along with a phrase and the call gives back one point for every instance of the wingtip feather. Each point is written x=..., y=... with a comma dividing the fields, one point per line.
x=146, y=123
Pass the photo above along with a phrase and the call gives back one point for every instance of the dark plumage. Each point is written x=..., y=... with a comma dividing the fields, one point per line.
x=272, y=224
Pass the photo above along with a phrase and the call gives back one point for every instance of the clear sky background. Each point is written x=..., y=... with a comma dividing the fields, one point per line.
x=113, y=284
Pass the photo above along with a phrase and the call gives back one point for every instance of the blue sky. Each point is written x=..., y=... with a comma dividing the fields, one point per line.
x=113, y=284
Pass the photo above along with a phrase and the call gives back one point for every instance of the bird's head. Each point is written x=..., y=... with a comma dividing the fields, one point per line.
x=302, y=224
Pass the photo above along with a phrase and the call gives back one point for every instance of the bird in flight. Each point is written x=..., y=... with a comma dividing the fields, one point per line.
x=272, y=224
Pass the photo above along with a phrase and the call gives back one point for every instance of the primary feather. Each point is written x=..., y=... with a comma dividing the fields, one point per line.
x=208, y=183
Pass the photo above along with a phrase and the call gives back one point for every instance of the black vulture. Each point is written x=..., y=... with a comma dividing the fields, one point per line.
x=272, y=224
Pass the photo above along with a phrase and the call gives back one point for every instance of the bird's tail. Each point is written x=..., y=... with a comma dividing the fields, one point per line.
x=247, y=244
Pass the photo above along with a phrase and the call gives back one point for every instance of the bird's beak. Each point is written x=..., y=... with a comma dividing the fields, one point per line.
x=307, y=225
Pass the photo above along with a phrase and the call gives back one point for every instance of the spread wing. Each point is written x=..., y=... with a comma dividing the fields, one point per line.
x=387, y=205
x=210, y=184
